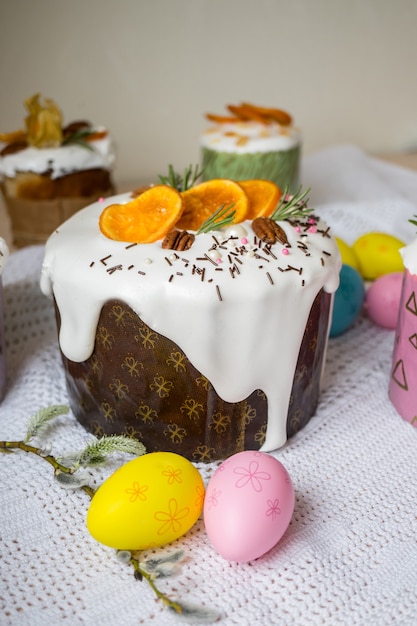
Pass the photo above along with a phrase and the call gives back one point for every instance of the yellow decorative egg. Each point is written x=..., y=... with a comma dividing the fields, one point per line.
x=347, y=253
x=378, y=254
x=147, y=502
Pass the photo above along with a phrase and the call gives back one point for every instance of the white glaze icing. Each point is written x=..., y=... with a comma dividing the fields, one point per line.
x=250, y=137
x=409, y=256
x=240, y=321
x=62, y=160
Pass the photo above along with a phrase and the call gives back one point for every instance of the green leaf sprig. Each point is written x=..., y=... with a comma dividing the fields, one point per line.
x=292, y=206
x=79, y=137
x=414, y=222
x=181, y=182
x=224, y=216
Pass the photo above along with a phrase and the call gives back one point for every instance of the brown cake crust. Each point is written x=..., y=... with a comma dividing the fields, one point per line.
x=37, y=204
x=141, y=384
x=83, y=183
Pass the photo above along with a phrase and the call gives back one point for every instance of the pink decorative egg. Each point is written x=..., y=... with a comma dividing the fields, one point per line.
x=248, y=505
x=383, y=300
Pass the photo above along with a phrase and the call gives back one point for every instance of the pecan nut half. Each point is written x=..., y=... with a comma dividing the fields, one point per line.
x=178, y=240
x=269, y=231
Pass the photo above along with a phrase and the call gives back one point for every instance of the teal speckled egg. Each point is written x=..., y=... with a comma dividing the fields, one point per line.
x=348, y=300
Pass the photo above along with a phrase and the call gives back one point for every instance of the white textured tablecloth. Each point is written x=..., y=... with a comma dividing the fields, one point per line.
x=349, y=556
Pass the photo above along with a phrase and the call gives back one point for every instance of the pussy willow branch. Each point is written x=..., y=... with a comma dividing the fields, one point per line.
x=8, y=446
x=21, y=445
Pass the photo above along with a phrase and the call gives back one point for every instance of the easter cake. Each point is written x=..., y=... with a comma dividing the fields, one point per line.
x=49, y=170
x=252, y=142
x=194, y=320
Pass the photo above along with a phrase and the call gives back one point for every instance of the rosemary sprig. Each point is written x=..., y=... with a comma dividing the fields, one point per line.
x=292, y=206
x=414, y=222
x=79, y=137
x=181, y=182
x=222, y=217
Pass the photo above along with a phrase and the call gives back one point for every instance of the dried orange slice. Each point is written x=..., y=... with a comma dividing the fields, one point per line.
x=147, y=218
x=201, y=201
x=139, y=190
x=263, y=197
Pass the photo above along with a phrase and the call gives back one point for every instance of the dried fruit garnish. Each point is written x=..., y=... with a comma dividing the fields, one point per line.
x=263, y=196
x=44, y=123
x=246, y=113
x=44, y=128
x=147, y=218
x=222, y=119
x=251, y=112
x=139, y=190
x=269, y=114
x=14, y=136
x=201, y=201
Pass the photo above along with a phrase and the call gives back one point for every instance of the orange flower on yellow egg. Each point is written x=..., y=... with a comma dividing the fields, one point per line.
x=171, y=519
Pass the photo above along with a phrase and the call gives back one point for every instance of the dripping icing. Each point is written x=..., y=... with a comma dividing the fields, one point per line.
x=228, y=317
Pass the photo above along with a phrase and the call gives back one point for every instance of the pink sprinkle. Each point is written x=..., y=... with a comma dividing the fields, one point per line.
x=244, y=240
x=311, y=220
x=297, y=229
x=285, y=251
x=312, y=229
x=101, y=199
x=218, y=261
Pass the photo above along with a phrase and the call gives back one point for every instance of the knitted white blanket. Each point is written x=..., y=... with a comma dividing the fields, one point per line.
x=349, y=556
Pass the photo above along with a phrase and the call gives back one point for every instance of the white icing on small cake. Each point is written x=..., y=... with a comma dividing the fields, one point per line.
x=99, y=153
x=409, y=257
x=250, y=137
x=236, y=307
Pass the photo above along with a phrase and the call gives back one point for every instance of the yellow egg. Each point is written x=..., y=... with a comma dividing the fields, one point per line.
x=347, y=253
x=147, y=502
x=378, y=254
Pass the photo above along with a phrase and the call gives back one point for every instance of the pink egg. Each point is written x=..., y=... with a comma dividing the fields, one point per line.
x=248, y=505
x=383, y=300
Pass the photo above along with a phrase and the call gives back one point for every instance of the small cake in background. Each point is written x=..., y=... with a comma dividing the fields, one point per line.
x=252, y=142
x=4, y=255
x=49, y=170
x=194, y=319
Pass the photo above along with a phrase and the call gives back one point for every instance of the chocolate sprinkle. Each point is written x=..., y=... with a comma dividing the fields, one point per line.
x=113, y=269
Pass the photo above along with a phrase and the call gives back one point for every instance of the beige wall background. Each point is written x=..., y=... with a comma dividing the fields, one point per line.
x=150, y=69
